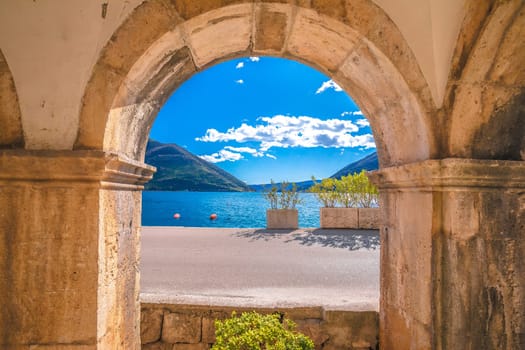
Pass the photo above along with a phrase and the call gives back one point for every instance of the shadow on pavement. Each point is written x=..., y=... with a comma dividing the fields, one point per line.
x=344, y=239
x=263, y=234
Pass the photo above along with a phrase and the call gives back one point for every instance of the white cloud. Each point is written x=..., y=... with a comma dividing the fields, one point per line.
x=271, y=156
x=222, y=156
x=248, y=150
x=352, y=113
x=330, y=84
x=254, y=59
x=240, y=81
x=239, y=65
x=288, y=131
x=362, y=122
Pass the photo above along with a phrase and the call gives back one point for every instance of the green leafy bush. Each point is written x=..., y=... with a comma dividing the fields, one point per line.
x=325, y=192
x=285, y=197
x=349, y=191
x=253, y=331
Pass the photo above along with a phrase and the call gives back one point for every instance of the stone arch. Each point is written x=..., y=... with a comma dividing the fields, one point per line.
x=11, y=135
x=161, y=44
x=487, y=90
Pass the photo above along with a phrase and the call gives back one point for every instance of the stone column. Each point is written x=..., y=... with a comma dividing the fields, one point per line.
x=453, y=255
x=69, y=249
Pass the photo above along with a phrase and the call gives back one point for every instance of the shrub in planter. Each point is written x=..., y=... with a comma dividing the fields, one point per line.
x=325, y=192
x=350, y=191
x=354, y=194
x=253, y=331
x=283, y=201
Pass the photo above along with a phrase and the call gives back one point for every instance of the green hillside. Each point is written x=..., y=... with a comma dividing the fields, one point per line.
x=179, y=170
x=368, y=163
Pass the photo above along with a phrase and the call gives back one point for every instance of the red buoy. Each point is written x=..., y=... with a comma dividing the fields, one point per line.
x=213, y=216
x=176, y=216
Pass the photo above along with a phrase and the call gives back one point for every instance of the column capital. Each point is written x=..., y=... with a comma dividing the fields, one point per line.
x=58, y=168
x=444, y=174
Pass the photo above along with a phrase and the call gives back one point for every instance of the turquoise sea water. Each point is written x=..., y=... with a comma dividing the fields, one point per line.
x=233, y=209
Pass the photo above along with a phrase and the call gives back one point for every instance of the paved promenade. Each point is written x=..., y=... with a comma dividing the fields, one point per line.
x=337, y=269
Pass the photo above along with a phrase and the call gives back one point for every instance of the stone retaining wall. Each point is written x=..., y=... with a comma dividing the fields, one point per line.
x=190, y=327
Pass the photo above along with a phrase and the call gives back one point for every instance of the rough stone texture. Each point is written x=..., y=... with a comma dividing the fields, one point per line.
x=65, y=279
x=191, y=8
x=350, y=330
x=486, y=97
x=311, y=32
x=181, y=328
x=150, y=325
x=199, y=346
x=157, y=346
x=481, y=218
x=339, y=218
x=272, y=28
x=312, y=329
x=368, y=218
x=220, y=33
x=285, y=219
x=336, y=330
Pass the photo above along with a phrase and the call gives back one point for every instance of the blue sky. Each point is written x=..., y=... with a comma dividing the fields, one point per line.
x=263, y=118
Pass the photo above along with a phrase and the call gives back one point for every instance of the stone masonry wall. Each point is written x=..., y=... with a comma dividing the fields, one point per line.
x=190, y=327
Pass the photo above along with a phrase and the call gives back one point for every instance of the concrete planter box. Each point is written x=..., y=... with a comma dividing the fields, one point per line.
x=368, y=218
x=339, y=218
x=353, y=218
x=277, y=219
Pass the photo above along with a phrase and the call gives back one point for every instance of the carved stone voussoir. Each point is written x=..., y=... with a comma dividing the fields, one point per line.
x=60, y=168
x=444, y=174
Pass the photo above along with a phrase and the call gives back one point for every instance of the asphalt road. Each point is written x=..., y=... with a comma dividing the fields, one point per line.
x=337, y=269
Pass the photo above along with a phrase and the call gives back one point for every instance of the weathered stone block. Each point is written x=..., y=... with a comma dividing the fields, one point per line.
x=221, y=33
x=199, y=346
x=368, y=218
x=181, y=328
x=312, y=329
x=157, y=346
x=345, y=328
x=271, y=28
x=150, y=325
x=282, y=219
x=192, y=8
x=208, y=330
x=320, y=39
x=339, y=218
x=303, y=313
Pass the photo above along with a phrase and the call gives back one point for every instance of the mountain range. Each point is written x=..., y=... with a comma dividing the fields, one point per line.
x=180, y=170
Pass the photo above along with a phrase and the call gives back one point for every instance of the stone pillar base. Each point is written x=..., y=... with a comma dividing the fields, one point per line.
x=69, y=249
x=452, y=247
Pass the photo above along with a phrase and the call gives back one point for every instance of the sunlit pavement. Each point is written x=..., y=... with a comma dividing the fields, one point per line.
x=337, y=269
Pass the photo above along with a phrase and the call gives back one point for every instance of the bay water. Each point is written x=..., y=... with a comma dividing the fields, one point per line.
x=233, y=209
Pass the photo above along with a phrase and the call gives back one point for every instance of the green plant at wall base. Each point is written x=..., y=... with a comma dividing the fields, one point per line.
x=349, y=191
x=253, y=331
x=285, y=197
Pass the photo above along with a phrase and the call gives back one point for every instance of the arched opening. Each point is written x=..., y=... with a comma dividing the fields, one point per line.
x=131, y=82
